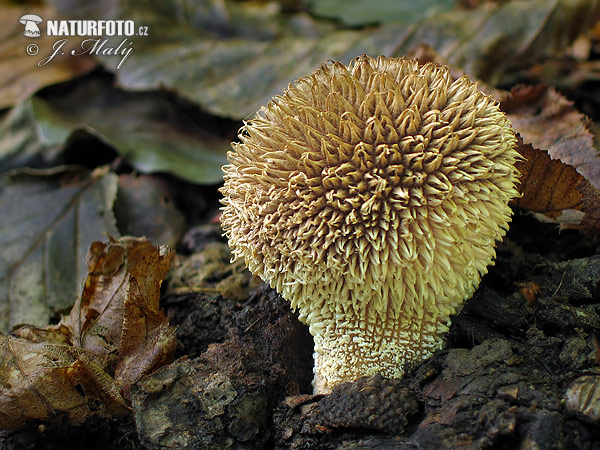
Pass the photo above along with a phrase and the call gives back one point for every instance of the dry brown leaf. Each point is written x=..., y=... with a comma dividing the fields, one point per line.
x=560, y=175
x=20, y=75
x=114, y=335
x=96, y=318
x=590, y=206
x=147, y=341
x=40, y=380
x=547, y=120
x=547, y=185
x=556, y=191
x=118, y=312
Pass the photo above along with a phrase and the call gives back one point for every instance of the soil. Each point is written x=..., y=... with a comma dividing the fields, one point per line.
x=520, y=369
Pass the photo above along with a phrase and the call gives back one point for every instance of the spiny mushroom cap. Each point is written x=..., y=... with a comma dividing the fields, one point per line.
x=371, y=197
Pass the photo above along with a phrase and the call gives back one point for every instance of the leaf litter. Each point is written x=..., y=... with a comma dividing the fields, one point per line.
x=20, y=75
x=560, y=175
x=231, y=70
x=48, y=219
x=114, y=335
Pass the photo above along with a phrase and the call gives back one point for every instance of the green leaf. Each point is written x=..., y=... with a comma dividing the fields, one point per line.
x=150, y=130
x=364, y=12
x=48, y=219
x=21, y=144
x=207, y=52
x=145, y=207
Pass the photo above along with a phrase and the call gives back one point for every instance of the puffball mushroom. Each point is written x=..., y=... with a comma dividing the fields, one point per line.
x=371, y=197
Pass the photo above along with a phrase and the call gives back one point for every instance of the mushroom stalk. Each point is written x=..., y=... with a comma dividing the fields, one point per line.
x=371, y=197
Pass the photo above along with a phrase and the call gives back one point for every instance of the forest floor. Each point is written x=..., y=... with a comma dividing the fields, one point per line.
x=519, y=369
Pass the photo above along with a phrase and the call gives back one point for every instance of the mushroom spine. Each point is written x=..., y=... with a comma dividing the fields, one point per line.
x=371, y=196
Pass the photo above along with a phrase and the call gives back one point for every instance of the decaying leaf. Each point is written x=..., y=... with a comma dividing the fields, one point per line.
x=20, y=74
x=560, y=173
x=21, y=144
x=147, y=341
x=114, y=335
x=366, y=12
x=48, y=220
x=557, y=191
x=40, y=380
x=583, y=396
x=118, y=310
x=547, y=120
x=547, y=186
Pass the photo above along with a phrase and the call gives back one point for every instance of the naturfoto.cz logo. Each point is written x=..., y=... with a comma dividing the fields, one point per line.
x=31, y=25
x=101, y=32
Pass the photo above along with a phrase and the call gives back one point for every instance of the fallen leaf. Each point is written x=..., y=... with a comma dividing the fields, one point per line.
x=145, y=207
x=232, y=67
x=24, y=145
x=583, y=396
x=20, y=75
x=557, y=191
x=21, y=145
x=547, y=120
x=97, y=318
x=547, y=185
x=518, y=33
x=39, y=380
x=366, y=12
x=118, y=311
x=151, y=130
x=590, y=206
x=114, y=335
x=147, y=341
x=560, y=177
x=48, y=219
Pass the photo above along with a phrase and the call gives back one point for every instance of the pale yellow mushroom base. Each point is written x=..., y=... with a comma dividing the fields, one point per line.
x=345, y=354
x=346, y=351
x=393, y=314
